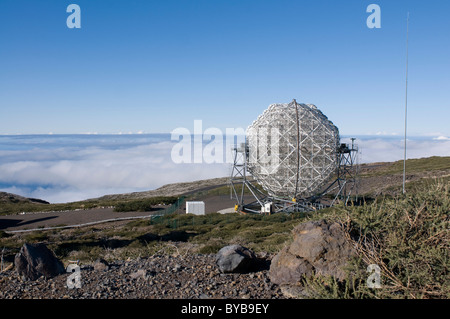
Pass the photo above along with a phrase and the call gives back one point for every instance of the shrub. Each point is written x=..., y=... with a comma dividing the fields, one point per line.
x=407, y=237
x=144, y=205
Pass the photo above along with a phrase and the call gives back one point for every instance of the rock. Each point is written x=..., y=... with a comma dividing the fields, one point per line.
x=36, y=260
x=318, y=247
x=294, y=291
x=287, y=268
x=235, y=259
x=177, y=268
x=101, y=265
x=138, y=280
x=141, y=273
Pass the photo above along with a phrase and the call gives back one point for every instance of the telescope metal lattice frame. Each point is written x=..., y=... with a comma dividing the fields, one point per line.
x=293, y=151
x=346, y=183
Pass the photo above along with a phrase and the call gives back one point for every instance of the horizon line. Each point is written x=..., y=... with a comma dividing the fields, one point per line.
x=431, y=135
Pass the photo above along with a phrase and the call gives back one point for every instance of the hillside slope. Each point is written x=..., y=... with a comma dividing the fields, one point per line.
x=374, y=179
x=10, y=199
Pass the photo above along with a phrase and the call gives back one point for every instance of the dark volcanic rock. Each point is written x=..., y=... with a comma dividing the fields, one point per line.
x=36, y=260
x=101, y=265
x=235, y=258
x=188, y=276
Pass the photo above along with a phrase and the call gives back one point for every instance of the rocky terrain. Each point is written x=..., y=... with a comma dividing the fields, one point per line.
x=234, y=272
x=298, y=247
x=156, y=277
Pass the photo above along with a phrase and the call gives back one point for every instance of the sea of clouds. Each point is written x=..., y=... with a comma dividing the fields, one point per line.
x=63, y=168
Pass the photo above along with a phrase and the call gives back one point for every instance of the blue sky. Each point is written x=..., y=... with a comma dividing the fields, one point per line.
x=152, y=66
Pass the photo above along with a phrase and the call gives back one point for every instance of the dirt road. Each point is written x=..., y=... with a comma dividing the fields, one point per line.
x=78, y=217
x=53, y=219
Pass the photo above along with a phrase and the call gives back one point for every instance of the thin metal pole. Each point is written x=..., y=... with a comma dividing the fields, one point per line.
x=298, y=147
x=406, y=103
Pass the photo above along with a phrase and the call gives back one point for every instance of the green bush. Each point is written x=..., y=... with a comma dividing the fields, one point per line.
x=210, y=249
x=3, y=234
x=36, y=236
x=144, y=205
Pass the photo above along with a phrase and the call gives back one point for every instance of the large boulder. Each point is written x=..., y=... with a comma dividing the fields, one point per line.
x=318, y=247
x=36, y=260
x=235, y=258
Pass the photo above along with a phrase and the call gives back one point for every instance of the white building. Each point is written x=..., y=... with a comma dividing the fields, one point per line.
x=196, y=208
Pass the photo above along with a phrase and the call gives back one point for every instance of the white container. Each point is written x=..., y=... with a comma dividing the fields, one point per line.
x=196, y=208
x=267, y=208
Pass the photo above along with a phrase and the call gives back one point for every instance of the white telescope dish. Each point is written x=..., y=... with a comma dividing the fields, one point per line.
x=292, y=150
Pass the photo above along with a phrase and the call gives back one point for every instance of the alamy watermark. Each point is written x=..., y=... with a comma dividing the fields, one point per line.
x=214, y=146
x=208, y=146
x=374, y=19
x=374, y=279
x=74, y=19
x=74, y=279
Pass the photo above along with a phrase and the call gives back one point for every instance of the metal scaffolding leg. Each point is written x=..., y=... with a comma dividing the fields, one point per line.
x=343, y=186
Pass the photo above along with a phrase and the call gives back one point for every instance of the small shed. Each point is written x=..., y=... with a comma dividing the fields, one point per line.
x=196, y=208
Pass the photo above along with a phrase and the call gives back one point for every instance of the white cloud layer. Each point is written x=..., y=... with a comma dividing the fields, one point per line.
x=72, y=172
x=392, y=149
x=68, y=175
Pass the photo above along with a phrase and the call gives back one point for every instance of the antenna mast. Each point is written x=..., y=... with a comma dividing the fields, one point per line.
x=406, y=103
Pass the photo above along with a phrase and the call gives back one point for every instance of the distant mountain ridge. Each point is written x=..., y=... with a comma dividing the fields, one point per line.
x=8, y=198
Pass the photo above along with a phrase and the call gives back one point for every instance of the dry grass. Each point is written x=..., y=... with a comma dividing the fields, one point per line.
x=408, y=237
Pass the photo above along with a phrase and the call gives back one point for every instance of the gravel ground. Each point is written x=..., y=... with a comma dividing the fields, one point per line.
x=156, y=277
